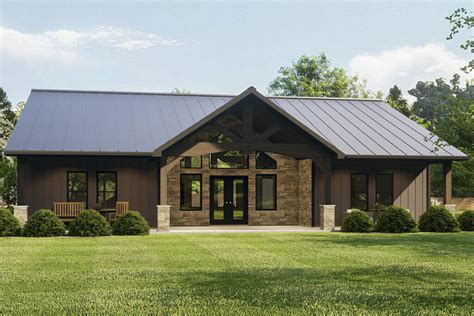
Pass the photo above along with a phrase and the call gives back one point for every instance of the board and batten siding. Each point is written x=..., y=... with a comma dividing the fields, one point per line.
x=43, y=180
x=410, y=183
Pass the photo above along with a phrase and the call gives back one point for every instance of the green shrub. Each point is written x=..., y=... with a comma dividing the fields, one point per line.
x=438, y=219
x=9, y=224
x=395, y=220
x=357, y=222
x=89, y=223
x=43, y=223
x=131, y=223
x=466, y=221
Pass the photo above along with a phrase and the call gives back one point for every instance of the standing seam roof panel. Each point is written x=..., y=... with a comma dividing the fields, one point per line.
x=415, y=144
x=351, y=128
x=114, y=122
x=413, y=126
x=375, y=131
x=337, y=127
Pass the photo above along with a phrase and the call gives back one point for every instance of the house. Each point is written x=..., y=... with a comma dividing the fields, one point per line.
x=222, y=159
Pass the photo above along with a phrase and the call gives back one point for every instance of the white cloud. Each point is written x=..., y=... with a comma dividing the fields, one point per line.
x=405, y=66
x=67, y=45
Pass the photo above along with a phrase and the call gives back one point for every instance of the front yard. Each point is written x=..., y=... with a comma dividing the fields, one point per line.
x=263, y=273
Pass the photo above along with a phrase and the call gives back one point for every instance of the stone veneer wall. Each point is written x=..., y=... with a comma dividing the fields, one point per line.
x=305, y=198
x=293, y=192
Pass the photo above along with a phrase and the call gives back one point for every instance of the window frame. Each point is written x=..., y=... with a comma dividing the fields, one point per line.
x=180, y=193
x=262, y=168
x=200, y=162
x=87, y=186
x=216, y=168
x=391, y=192
x=97, y=186
x=275, y=206
x=366, y=187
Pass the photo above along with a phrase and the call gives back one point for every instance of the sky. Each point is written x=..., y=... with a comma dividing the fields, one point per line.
x=219, y=47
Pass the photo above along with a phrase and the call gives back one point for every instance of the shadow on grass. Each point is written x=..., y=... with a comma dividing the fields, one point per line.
x=353, y=289
x=428, y=243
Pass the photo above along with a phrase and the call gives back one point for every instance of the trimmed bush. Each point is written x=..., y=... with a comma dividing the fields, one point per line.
x=43, y=223
x=89, y=223
x=395, y=220
x=9, y=224
x=131, y=223
x=438, y=219
x=357, y=222
x=466, y=221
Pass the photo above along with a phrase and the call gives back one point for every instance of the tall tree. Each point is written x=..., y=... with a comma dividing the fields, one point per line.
x=450, y=109
x=396, y=100
x=431, y=97
x=315, y=76
x=7, y=120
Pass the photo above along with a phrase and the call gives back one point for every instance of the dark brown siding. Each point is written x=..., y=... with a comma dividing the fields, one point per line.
x=410, y=188
x=42, y=181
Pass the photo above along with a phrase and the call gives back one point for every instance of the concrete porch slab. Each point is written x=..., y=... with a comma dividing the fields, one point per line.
x=242, y=229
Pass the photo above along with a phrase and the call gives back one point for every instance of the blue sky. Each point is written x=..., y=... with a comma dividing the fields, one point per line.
x=218, y=47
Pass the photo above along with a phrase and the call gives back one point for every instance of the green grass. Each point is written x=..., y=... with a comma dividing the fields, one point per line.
x=267, y=273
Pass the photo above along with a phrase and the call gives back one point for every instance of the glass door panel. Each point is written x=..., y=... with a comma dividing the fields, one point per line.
x=218, y=199
x=228, y=200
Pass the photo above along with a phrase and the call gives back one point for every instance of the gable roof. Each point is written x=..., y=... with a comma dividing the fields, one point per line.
x=128, y=123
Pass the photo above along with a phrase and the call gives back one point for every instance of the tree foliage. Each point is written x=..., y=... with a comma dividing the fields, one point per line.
x=459, y=20
x=315, y=76
x=8, y=119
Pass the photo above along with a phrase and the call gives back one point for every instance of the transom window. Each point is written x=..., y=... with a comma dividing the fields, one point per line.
x=384, y=189
x=190, y=192
x=359, y=192
x=77, y=187
x=264, y=161
x=106, y=190
x=266, y=192
x=234, y=159
x=191, y=162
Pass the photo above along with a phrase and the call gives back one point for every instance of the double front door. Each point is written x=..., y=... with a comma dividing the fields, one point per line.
x=229, y=200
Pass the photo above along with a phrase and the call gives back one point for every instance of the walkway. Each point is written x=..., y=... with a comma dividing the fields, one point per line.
x=242, y=229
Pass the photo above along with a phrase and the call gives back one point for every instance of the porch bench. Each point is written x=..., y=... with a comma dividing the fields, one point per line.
x=67, y=211
x=120, y=209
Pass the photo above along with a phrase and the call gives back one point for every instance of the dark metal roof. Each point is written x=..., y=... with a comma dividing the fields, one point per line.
x=131, y=123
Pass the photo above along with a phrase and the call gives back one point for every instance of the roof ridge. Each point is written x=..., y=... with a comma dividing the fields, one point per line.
x=195, y=94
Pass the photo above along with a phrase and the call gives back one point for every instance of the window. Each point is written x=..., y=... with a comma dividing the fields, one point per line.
x=234, y=159
x=229, y=160
x=190, y=192
x=191, y=162
x=266, y=192
x=359, y=192
x=384, y=189
x=264, y=161
x=106, y=190
x=77, y=187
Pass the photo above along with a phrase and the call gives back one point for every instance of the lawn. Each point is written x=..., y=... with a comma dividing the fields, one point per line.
x=264, y=273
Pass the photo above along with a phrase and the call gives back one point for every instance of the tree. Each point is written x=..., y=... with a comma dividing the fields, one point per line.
x=395, y=100
x=450, y=109
x=459, y=20
x=8, y=119
x=315, y=76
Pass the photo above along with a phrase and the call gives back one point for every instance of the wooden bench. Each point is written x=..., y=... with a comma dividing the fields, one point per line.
x=67, y=211
x=120, y=209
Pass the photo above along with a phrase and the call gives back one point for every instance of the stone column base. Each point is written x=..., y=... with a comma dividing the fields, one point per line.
x=21, y=212
x=327, y=215
x=163, y=216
